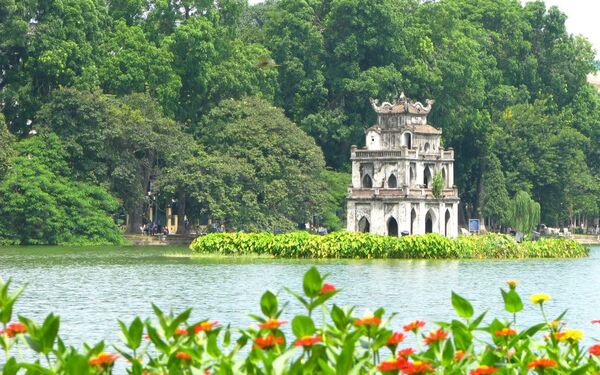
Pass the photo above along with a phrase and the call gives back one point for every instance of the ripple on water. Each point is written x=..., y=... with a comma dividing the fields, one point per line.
x=90, y=288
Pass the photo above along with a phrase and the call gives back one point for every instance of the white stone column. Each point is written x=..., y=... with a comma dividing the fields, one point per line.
x=351, y=217
x=356, y=183
x=378, y=224
x=454, y=221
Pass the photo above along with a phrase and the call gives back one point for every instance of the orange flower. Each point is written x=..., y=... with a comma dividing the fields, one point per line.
x=267, y=342
x=272, y=324
x=184, y=356
x=103, y=359
x=406, y=352
x=308, y=340
x=506, y=332
x=180, y=332
x=205, y=326
x=414, y=326
x=13, y=329
x=417, y=367
x=594, y=349
x=369, y=321
x=389, y=365
x=434, y=336
x=483, y=370
x=395, y=339
x=541, y=363
x=459, y=355
x=327, y=288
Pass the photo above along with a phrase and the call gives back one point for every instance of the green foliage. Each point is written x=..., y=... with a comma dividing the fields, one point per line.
x=524, y=212
x=6, y=147
x=360, y=245
x=281, y=166
x=334, y=206
x=494, y=196
x=339, y=343
x=437, y=185
x=41, y=205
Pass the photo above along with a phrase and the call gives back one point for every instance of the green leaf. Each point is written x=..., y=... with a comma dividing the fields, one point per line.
x=10, y=367
x=512, y=301
x=303, y=326
x=312, y=283
x=462, y=306
x=268, y=304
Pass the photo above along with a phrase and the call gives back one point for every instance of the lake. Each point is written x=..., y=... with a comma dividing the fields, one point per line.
x=92, y=287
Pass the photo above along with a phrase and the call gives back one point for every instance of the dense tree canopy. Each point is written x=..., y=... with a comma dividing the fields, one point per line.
x=176, y=101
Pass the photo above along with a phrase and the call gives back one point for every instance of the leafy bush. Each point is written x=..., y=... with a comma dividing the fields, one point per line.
x=339, y=343
x=364, y=245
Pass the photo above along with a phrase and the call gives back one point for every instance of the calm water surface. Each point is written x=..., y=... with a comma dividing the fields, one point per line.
x=90, y=288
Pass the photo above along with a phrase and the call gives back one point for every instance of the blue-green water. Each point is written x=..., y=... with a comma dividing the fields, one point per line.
x=90, y=288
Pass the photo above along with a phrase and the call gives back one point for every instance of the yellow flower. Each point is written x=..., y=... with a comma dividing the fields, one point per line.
x=540, y=298
x=554, y=324
x=570, y=335
x=512, y=283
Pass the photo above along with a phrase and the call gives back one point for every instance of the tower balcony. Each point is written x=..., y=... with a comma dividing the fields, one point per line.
x=403, y=153
x=405, y=193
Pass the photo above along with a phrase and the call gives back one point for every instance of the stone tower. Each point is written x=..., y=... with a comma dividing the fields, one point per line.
x=392, y=176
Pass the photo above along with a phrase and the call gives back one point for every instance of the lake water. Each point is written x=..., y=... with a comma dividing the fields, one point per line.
x=90, y=288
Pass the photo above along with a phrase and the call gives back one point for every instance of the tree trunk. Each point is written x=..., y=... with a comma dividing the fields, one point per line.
x=180, y=212
x=135, y=221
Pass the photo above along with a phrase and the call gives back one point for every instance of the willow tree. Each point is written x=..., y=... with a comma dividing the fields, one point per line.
x=524, y=212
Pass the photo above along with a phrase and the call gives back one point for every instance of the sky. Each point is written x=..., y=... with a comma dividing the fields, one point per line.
x=583, y=18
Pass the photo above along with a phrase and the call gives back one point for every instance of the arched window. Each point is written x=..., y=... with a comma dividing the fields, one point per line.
x=428, y=222
x=367, y=182
x=426, y=147
x=392, y=227
x=412, y=175
x=413, y=221
x=363, y=225
x=444, y=176
x=392, y=181
x=427, y=177
x=408, y=140
x=447, y=223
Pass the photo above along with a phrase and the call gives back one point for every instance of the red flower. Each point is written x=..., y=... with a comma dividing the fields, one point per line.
x=414, y=326
x=389, y=365
x=434, y=336
x=406, y=352
x=483, y=370
x=597, y=321
x=103, y=359
x=308, y=340
x=506, y=332
x=267, y=342
x=594, y=349
x=417, y=367
x=184, y=356
x=181, y=332
x=272, y=324
x=541, y=363
x=395, y=339
x=371, y=321
x=205, y=326
x=459, y=355
x=13, y=329
x=327, y=288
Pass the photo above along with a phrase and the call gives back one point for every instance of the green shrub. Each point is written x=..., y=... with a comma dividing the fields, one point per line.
x=365, y=245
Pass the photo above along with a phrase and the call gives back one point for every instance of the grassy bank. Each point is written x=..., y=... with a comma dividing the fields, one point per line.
x=365, y=245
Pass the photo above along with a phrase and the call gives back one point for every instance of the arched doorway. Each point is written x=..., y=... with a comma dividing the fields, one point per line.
x=428, y=222
x=413, y=221
x=427, y=177
x=392, y=181
x=392, y=227
x=363, y=225
x=447, y=223
x=407, y=140
x=367, y=182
